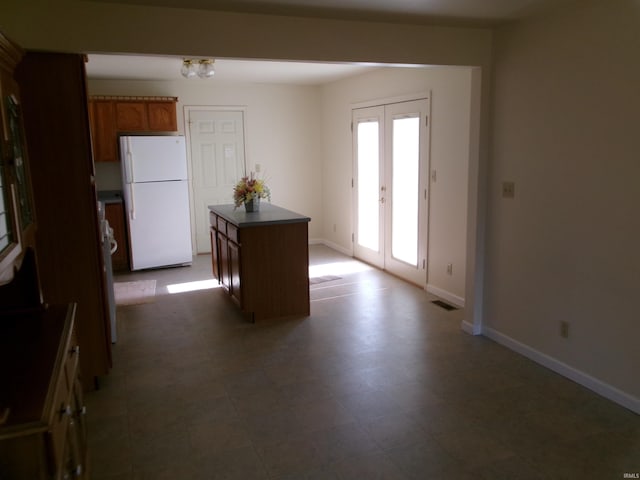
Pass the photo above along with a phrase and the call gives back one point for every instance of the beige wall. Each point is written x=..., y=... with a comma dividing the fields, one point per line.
x=565, y=129
x=450, y=95
x=78, y=25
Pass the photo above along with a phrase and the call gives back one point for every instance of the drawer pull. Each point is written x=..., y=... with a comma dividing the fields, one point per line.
x=75, y=350
x=66, y=411
x=83, y=410
x=77, y=471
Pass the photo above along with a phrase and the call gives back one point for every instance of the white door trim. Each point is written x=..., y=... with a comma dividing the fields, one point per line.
x=380, y=102
x=187, y=133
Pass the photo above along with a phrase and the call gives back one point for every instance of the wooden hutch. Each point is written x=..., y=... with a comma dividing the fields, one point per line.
x=52, y=293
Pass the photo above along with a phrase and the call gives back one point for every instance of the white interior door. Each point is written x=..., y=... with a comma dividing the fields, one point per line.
x=391, y=226
x=217, y=163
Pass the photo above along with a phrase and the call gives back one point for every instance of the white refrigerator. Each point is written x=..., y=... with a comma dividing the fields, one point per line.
x=156, y=197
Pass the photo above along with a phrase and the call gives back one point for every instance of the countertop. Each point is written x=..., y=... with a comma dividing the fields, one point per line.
x=110, y=196
x=268, y=214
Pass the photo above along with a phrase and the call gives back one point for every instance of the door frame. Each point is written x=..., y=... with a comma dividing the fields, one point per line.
x=424, y=95
x=186, y=110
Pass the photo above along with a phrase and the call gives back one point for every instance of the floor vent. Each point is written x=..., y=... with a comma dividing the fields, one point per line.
x=444, y=305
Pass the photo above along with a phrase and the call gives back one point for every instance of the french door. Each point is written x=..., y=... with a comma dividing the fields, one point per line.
x=391, y=163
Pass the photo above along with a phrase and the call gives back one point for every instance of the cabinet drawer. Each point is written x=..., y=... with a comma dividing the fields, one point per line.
x=62, y=412
x=57, y=439
x=71, y=365
x=232, y=233
x=222, y=225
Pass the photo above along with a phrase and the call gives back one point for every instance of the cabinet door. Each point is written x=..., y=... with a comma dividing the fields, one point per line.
x=62, y=170
x=77, y=434
x=162, y=116
x=131, y=116
x=9, y=210
x=234, y=272
x=223, y=251
x=103, y=131
x=215, y=260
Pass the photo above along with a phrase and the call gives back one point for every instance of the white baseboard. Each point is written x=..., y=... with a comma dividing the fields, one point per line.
x=584, y=379
x=448, y=296
x=332, y=245
x=470, y=328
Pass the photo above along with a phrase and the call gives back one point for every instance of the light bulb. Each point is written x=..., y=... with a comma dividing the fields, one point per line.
x=205, y=68
x=188, y=69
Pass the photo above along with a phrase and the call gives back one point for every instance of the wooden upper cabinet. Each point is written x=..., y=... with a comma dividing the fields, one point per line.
x=162, y=116
x=103, y=131
x=131, y=117
x=111, y=116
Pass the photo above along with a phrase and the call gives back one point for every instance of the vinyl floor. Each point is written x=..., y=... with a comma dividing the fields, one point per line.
x=378, y=383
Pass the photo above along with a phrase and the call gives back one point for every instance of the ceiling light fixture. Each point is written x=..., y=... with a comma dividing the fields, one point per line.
x=202, y=68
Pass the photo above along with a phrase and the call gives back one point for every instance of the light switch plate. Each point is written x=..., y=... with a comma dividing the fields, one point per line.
x=508, y=189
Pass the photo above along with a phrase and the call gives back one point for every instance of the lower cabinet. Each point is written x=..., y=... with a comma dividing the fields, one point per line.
x=43, y=432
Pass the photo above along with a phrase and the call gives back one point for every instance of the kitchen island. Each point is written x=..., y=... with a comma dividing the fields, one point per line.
x=262, y=259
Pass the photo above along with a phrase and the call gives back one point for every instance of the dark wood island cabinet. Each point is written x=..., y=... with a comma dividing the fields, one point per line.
x=262, y=259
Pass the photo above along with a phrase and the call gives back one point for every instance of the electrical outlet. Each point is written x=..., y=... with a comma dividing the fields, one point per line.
x=564, y=329
x=450, y=268
x=508, y=189
x=258, y=167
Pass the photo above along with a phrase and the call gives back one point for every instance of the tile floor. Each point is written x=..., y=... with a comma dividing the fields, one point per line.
x=378, y=383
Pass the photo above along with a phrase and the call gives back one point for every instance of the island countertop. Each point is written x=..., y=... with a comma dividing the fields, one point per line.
x=268, y=214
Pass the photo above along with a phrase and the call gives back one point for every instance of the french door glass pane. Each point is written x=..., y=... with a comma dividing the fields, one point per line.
x=405, y=201
x=368, y=185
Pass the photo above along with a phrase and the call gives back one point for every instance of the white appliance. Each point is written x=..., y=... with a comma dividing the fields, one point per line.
x=109, y=247
x=156, y=197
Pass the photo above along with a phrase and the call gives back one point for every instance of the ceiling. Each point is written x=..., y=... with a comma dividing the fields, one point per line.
x=454, y=12
x=136, y=67
x=482, y=12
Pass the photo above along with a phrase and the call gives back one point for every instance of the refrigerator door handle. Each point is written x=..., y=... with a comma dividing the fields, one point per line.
x=132, y=202
x=128, y=163
x=128, y=174
x=128, y=167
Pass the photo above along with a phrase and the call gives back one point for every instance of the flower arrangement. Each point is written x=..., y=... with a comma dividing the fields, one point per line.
x=248, y=189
